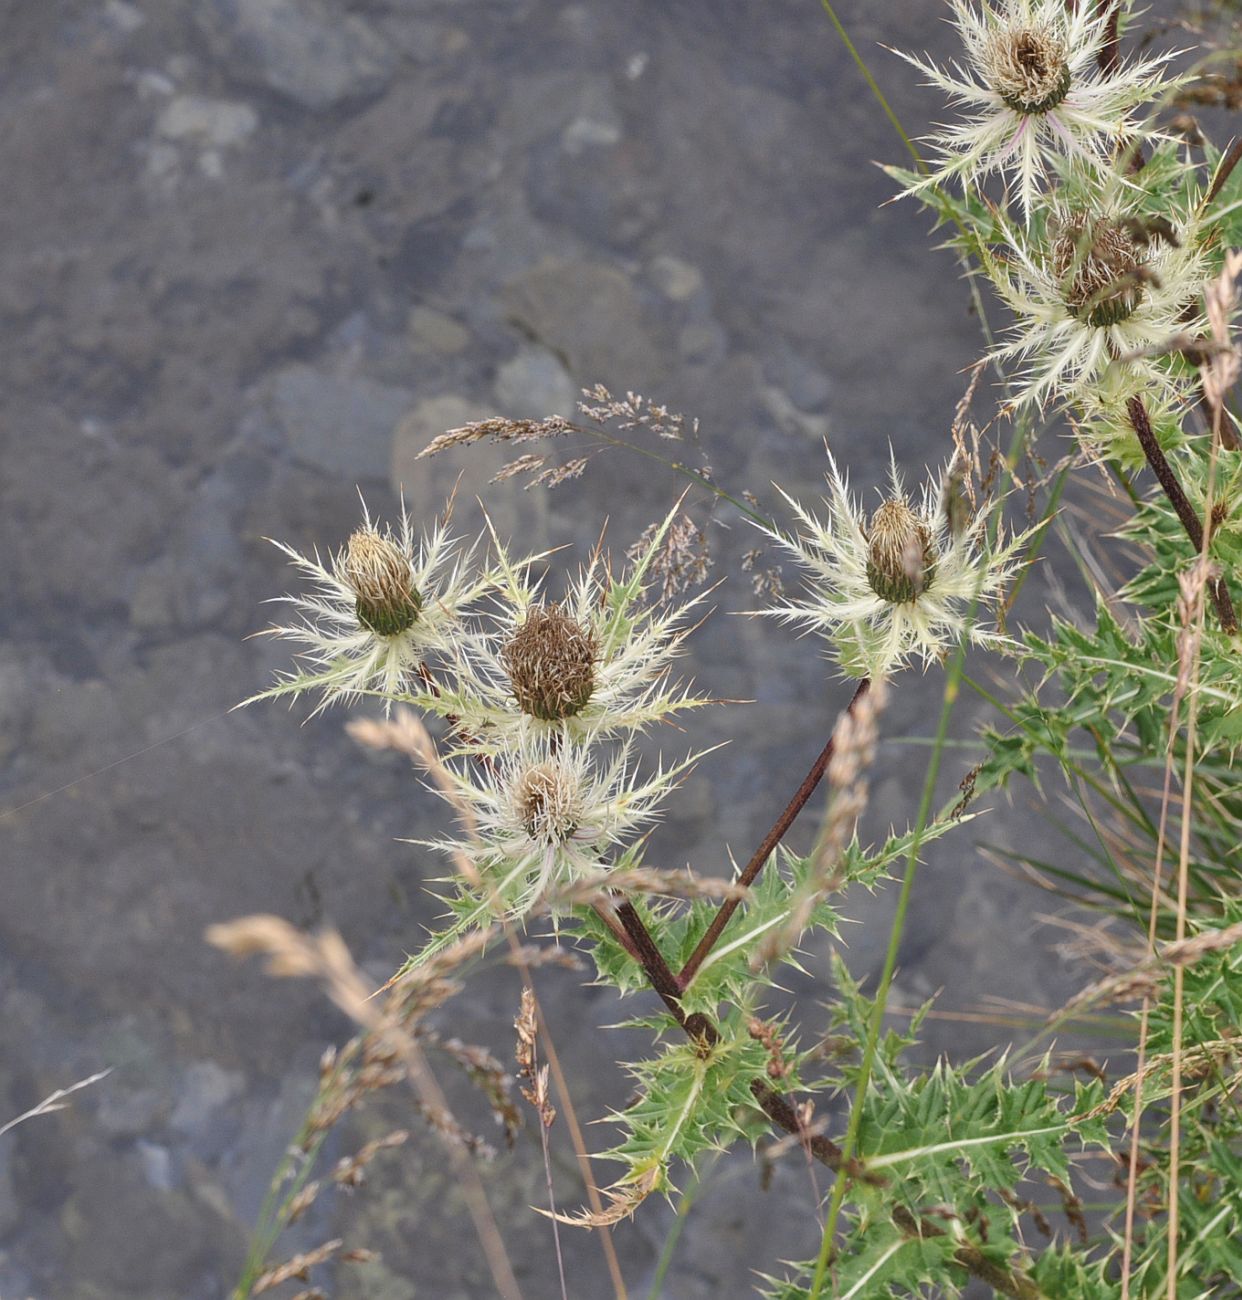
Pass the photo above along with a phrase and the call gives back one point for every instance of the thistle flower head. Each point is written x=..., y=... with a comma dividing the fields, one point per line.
x=901, y=558
x=548, y=803
x=550, y=661
x=901, y=585
x=1099, y=296
x=1033, y=92
x=1100, y=266
x=376, y=610
x=548, y=812
x=1027, y=64
x=595, y=664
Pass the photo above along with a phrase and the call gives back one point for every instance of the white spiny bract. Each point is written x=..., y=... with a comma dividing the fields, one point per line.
x=1103, y=422
x=1098, y=299
x=1033, y=92
x=594, y=665
x=376, y=610
x=898, y=587
x=548, y=812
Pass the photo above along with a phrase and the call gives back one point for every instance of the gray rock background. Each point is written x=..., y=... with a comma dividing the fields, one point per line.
x=256, y=253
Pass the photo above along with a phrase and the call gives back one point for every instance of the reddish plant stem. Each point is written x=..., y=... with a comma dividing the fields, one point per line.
x=1001, y=1279
x=765, y=850
x=780, y=1110
x=700, y=1030
x=659, y=974
x=607, y=914
x=1181, y=504
x=784, y=1115
x=1108, y=56
x=1233, y=155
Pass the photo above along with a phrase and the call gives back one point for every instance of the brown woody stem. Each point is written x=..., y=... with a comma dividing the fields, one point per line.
x=1233, y=155
x=780, y=1110
x=1002, y=1280
x=1108, y=56
x=1181, y=504
x=765, y=850
x=651, y=959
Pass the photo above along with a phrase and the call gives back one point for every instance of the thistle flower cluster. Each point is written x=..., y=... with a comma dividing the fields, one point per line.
x=552, y=694
x=542, y=695
x=542, y=699
x=1103, y=273
x=1105, y=266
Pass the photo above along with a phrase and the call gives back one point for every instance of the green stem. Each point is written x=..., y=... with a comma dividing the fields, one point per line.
x=273, y=1217
x=684, y=1205
x=886, y=977
x=873, y=85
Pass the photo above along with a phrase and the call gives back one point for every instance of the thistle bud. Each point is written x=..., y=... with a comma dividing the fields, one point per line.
x=378, y=571
x=551, y=661
x=901, y=559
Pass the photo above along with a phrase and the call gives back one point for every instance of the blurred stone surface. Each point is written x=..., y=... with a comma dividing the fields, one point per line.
x=339, y=424
x=587, y=313
x=305, y=49
x=258, y=253
x=532, y=384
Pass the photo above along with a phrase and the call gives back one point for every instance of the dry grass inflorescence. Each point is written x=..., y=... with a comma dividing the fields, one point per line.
x=1074, y=182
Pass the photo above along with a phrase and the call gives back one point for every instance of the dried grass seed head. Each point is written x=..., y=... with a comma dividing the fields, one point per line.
x=550, y=660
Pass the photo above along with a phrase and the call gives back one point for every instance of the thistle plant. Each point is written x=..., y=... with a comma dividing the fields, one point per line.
x=549, y=811
x=596, y=663
x=1112, y=246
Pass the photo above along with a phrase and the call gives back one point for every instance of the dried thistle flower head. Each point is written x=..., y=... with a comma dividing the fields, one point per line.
x=900, y=586
x=548, y=803
x=1028, y=66
x=547, y=812
x=381, y=575
x=1034, y=91
x=382, y=605
x=1100, y=266
x=596, y=664
x=901, y=558
x=550, y=659
x=1105, y=290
